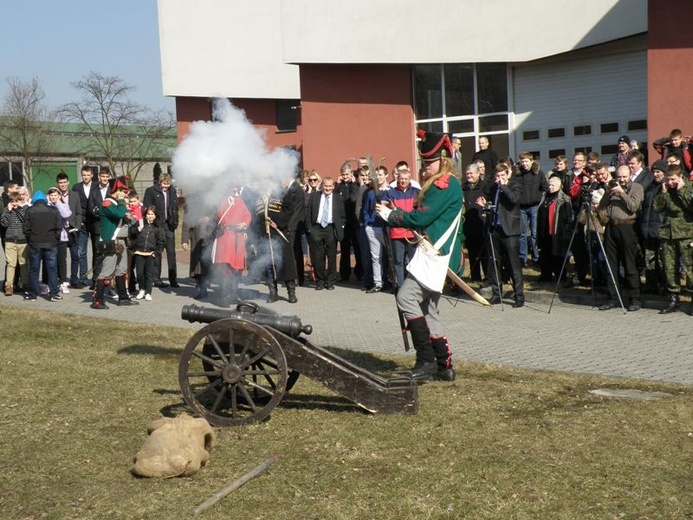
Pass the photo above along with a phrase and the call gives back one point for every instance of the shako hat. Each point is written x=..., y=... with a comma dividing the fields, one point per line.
x=433, y=146
x=119, y=183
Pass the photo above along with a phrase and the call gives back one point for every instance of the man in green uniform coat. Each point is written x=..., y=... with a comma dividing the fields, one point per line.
x=437, y=210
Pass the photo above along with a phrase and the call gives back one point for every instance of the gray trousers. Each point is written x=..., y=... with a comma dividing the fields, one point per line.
x=113, y=265
x=414, y=300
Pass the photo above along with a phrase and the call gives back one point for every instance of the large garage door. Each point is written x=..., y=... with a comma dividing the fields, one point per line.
x=580, y=104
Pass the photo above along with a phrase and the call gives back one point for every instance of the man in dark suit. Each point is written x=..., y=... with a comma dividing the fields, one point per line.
x=505, y=229
x=86, y=229
x=163, y=197
x=325, y=221
x=97, y=195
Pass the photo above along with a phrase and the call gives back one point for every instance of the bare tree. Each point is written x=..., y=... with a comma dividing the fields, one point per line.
x=122, y=132
x=24, y=124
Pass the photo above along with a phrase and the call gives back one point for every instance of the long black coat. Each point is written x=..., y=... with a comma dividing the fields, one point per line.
x=154, y=196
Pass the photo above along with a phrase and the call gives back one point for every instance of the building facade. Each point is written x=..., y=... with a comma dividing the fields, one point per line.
x=338, y=80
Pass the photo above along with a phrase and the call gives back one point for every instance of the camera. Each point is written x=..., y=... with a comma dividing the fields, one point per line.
x=613, y=183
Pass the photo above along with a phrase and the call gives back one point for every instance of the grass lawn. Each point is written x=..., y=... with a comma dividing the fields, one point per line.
x=498, y=443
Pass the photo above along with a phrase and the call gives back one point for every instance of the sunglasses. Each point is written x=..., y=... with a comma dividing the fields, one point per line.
x=313, y=180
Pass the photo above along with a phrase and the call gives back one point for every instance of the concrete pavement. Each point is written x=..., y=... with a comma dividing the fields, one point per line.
x=574, y=337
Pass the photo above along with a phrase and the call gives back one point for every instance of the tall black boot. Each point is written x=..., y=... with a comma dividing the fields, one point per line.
x=173, y=278
x=98, y=302
x=291, y=288
x=123, y=296
x=425, y=367
x=674, y=304
x=273, y=295
x=443, y=353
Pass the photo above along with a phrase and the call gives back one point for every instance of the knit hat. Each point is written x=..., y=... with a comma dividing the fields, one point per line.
x=660, y=165
x=624, y=139
x=38, y=195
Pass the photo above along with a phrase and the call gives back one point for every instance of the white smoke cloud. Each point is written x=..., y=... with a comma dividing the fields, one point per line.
x=217, y=156
x=228, y=152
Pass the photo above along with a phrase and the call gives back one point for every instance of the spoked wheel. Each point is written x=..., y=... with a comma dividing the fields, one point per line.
x=232, y=372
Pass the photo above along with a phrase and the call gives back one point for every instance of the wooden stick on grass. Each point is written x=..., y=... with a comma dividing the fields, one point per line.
x=235, y=484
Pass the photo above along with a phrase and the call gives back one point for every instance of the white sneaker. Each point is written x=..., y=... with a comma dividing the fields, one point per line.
x=148, y=297
x=140, y=295
x=64, y=288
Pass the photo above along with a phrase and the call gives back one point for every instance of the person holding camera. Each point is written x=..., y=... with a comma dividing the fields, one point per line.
x=505, y=226
x=675, y=203
x=622, y=202
x=16, y=251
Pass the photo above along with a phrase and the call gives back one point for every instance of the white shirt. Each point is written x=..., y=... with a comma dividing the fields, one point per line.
x=322, y=207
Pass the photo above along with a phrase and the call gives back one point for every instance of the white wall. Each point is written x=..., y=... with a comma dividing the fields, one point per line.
x=224, y=48
x=451, y=31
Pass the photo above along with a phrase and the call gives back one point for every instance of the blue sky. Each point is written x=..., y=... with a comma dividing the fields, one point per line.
x=59, y=42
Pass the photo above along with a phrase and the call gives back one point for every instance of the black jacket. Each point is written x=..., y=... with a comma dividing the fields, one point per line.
x=154, y=196
x=87, y=219
x=151, y=238
x=508, y=207
x=42, y=225
x=338, y=216
x=534, y=185
x=94, y=206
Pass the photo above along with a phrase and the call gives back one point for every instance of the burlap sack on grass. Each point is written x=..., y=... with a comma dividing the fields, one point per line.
x=175, y=448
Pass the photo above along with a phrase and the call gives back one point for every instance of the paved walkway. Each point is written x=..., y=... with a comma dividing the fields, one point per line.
x=574, y=338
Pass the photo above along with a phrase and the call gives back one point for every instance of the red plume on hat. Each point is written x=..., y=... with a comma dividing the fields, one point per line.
x=434, y=146
x=119, y=183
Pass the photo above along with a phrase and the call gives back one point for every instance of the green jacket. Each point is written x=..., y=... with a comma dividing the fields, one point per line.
x=677, y=207
x=112, y=212
x=441, y=204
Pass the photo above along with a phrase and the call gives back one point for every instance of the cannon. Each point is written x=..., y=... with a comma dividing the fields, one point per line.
x=236, y=369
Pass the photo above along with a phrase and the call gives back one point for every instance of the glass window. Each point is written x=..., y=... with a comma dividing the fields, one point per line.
x=609, y=149
x=459, y=90
x=499, y=143
x=608, y=128
x=640, y=124
x=428, y=100
x=556, y=152
x=536, y=155
x=492, y=85
x=530, y=135
x=493, y=123
x=583, y=149
x=556, y=133
x=287, y=114
x=431, y=126
x=465, y=126
x=582, y=130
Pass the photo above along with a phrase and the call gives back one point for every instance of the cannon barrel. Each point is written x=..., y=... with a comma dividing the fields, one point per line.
x=289, y=325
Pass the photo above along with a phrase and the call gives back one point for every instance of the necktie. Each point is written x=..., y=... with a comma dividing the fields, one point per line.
x=325, y=212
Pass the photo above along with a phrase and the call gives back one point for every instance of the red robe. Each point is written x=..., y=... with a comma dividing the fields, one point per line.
x=229, y=246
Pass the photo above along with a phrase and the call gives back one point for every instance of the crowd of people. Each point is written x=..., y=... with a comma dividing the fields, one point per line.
x=586, y=221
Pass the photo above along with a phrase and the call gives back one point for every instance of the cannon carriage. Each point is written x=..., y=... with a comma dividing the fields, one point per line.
x=236, y=369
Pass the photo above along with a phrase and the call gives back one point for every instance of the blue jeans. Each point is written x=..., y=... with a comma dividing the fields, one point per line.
x=82, y=243
x=402, y=252
x=529, y=230
x=50, y=262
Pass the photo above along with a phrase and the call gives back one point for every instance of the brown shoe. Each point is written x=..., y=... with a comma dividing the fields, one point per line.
x=9, y=291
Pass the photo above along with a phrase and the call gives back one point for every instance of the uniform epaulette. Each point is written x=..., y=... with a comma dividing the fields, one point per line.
x=444, y=182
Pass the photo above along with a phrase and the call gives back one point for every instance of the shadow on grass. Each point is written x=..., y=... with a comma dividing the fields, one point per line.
x=290, y=401
x=150, y=350
x=365, y=360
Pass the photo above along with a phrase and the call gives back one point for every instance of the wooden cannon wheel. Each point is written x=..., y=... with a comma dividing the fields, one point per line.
x=233, y=386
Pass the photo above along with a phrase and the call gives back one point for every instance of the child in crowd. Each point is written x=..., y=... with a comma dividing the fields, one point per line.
x=135, y=210
x=148, y=239
x=16, y=251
